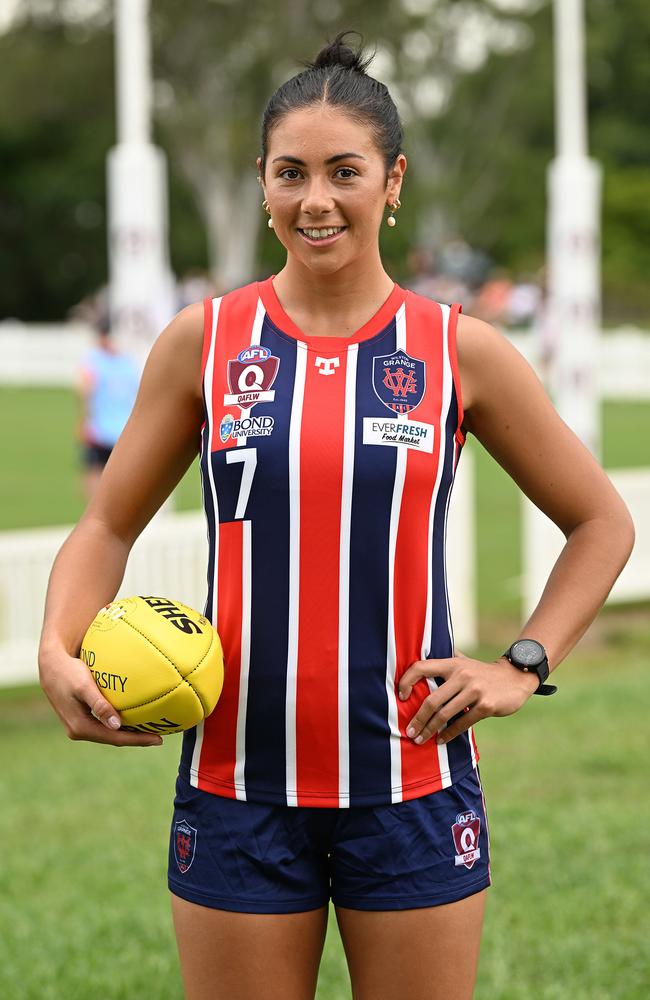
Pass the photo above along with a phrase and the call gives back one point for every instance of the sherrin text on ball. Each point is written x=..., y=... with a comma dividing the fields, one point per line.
x=158, y=662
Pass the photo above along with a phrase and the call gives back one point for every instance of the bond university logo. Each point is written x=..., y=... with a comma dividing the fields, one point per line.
x=465, y=832
x=184, y=844
x=399, y=382
x=327, y=366
x=250, y=377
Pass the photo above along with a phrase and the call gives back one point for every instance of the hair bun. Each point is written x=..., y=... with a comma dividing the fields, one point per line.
x=338, y=53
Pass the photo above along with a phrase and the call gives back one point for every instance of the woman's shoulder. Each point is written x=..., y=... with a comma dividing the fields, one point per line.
x=484, y=355
x=491, y=368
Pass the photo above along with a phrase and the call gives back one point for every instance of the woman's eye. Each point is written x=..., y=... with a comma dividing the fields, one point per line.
x=292, y=170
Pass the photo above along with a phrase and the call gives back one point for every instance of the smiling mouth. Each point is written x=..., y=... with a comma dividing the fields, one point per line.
x=331, y=233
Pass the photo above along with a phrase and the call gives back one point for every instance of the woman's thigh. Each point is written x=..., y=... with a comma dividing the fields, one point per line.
x=428, y=953
x=226, y=955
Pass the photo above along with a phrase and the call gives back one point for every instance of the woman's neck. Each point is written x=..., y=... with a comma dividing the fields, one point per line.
x=339, y=303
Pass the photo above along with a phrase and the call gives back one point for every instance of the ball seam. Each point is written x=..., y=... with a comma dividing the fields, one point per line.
x=171, y=662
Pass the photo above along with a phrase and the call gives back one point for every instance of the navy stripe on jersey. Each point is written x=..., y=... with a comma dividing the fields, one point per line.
x=269, y=514
x=374, y=477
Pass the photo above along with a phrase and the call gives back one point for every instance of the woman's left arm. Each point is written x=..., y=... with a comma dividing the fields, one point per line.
x=509, y=412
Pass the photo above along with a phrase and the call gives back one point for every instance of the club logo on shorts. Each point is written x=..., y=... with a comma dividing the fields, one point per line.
x=250, y=377
x=465, y=832
x=184, y=844
x=399, y=381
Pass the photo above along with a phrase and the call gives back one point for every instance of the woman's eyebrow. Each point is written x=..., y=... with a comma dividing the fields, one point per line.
x=332, y=159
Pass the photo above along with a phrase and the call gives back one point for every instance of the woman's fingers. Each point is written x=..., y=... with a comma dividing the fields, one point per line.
x=86, y=727
x=428, y=721
x=82, y=708
x=467, y=720
x=424, y=668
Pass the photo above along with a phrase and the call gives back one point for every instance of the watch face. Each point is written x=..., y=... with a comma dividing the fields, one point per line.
x=528, y=652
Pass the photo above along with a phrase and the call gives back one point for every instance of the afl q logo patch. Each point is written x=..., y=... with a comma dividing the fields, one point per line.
x=465, y=832
x=398, y=381
x=250, y=377
x=184, y=844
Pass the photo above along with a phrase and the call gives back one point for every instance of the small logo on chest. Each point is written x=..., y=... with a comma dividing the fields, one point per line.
x=399, y=381
x=250, y=377
x=327, y=366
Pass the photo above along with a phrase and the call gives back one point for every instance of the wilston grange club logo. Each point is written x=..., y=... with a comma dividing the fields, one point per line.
x=184, y=844
x=250, y=377
x=399, y=381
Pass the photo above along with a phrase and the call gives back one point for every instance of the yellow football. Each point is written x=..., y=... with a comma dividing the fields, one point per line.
x=158, y=662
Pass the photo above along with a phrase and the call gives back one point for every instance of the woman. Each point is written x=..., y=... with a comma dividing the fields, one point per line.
x=330, y=407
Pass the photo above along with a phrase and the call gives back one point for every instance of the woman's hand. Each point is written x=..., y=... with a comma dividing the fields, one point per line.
x=80, y=705
x=475, y=688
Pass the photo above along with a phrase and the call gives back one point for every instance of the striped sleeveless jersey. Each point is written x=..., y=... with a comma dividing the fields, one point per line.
x=327, y=465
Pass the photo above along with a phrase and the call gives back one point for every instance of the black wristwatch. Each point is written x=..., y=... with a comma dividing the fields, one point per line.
x=530, y=656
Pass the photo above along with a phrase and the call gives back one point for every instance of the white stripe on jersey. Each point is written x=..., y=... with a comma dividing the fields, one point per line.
x=344, y=573
x=256, y=334
x=210, y=613
x=245, y=659
x=294, y=568
x=445, y=403
x=391, y=658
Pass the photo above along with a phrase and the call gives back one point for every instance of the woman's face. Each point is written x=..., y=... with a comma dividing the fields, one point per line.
x=348, y=192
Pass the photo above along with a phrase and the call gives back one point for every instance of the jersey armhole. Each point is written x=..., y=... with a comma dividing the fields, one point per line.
x=456, y=309
x=207, y=333
x=207, y=337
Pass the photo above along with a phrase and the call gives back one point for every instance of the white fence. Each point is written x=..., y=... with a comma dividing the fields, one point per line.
x=41, y=354
x=170, y=558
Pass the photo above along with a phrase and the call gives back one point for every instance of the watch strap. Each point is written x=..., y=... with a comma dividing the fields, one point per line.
x=542, y=688
x=545, y=689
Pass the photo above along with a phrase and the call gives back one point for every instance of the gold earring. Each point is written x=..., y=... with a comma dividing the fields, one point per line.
x=391, y=220
x=266, y=207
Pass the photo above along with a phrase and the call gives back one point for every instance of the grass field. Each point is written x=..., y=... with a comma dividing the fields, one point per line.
x=83, y=901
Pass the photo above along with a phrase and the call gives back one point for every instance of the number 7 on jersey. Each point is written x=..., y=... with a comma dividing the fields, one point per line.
x=249, y=457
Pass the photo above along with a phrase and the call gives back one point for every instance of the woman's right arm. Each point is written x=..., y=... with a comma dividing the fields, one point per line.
x=155, y=449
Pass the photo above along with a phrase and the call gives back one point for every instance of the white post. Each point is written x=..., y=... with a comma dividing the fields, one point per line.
x=142, y=296
x=574, y=183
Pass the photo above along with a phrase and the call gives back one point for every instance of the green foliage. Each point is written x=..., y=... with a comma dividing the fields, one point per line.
x=477, y=168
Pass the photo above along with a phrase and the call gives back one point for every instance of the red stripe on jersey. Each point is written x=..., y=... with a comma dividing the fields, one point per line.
x=317, y=756
x=234, y=326
x=220, y=729
x=453, y=358
x=423, y=330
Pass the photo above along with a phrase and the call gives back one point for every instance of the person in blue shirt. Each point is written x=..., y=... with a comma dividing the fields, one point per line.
x=106, y=387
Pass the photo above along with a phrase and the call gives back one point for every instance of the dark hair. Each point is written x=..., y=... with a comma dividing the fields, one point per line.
x=338, y=77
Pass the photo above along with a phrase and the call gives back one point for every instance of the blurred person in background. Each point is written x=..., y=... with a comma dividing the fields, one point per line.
x=428, y=278
x=107, y=384
x=194, y=286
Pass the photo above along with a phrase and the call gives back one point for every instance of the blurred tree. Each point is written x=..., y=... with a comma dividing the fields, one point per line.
x=472, y=80
x=496, y=139
x=218, y=78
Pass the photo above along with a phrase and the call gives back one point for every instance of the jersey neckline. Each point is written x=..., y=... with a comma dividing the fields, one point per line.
x=376, y=324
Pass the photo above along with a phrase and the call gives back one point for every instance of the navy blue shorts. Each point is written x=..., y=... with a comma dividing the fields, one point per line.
x=259, y=858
